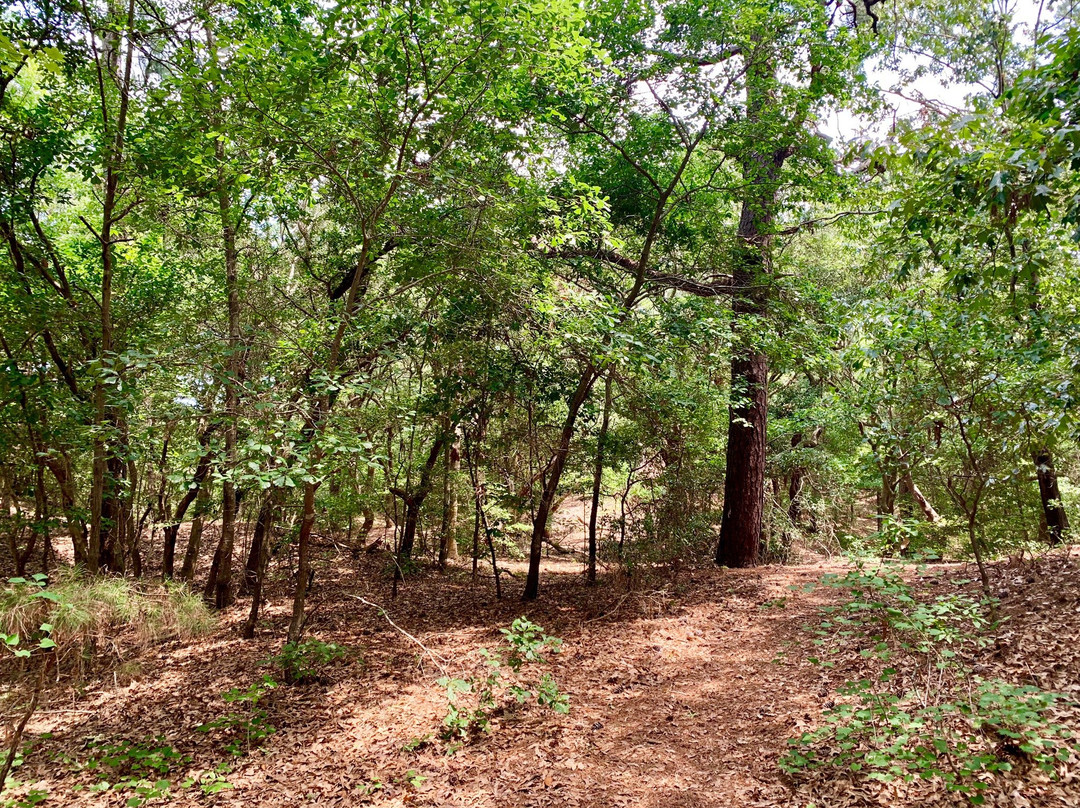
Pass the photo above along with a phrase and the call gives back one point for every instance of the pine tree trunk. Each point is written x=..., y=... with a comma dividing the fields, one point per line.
x=744, y=480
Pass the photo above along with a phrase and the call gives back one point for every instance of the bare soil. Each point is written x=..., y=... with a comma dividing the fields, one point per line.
x=683, y=692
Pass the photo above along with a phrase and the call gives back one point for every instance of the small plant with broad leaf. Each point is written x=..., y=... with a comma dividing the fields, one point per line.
x=472, y=701
x=925, y=714
x=250, y=725
x=210, y=782
x=139, y=769
x=306, y=661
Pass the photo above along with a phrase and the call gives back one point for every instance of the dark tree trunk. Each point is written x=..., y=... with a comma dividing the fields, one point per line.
x=598, y=473
x=132, y=531
x=219, y=587
x=551, y=483
x=194, y=490
x=194, y=545
x=744, y=480
x=414, y=500
x=303, y=565
x=107, y=473
x=255, y=570
x=1057, y=523
x=258, y=539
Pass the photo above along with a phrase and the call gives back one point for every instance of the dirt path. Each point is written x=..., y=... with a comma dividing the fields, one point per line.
x=683, y=695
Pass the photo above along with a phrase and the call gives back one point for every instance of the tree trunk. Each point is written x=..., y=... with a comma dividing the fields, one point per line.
x=107, y=467
x=795, y=486
x=1057, y=522
x=255, y=571
x=191, y=555
x=220, y=583
x=908, y=485
x=303, y=564
x=61, y=470
x=551, y=483
x=194, y=491
x=413, y=501
x=598, y=474
x=744, y=480
x=448, y=549
x=258, y=539
x=132, y=535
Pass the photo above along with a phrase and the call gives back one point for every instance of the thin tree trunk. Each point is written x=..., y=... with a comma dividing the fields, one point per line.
x=105, y=485
x=448, y=549
x=886, y=499
x=1057, y=522
x=220, y=583
x=319, y=408
x=551, y=483
x=303, y=565
x=132, y=534
x=194, y=545
x=908, y=485
x=255, y=553
x=62, y=472
x=413, y=501
x=598, y=474
x=193, y=492
x=255, y=571
x=16, y=737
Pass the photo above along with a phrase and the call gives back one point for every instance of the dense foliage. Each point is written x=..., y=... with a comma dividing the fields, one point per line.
x=275, y=269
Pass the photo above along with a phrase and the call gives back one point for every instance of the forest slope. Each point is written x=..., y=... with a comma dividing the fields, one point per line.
x=680, y=695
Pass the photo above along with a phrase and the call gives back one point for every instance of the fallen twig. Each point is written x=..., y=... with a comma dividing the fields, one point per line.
x=439, y=661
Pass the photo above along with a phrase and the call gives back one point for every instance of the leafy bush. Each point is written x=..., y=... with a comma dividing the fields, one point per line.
x=306, y=661
x=474, y=701
x=940, y=721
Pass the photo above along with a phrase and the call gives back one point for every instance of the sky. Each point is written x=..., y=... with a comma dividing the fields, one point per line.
x=845, y=126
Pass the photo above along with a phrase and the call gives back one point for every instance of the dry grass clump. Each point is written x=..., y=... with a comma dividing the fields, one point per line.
x=91, y=613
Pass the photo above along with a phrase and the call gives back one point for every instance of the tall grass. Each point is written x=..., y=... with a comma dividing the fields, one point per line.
x=91, y=613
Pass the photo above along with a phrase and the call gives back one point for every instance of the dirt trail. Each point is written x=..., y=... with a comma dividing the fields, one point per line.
x=683, y=695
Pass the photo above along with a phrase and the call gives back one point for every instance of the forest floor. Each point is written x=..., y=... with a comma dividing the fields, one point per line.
x=683, y=692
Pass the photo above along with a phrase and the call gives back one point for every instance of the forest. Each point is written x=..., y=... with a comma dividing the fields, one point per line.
x=539, y=402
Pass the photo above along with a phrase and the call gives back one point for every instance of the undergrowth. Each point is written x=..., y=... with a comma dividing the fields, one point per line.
x=925, y=713
x=86, y=613
x=510, y=680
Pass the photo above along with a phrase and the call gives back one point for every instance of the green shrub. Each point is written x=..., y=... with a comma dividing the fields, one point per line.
x=140, y=769
x=473, y=701
x=945, y=724
x=250, y=725
x=306, y=661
